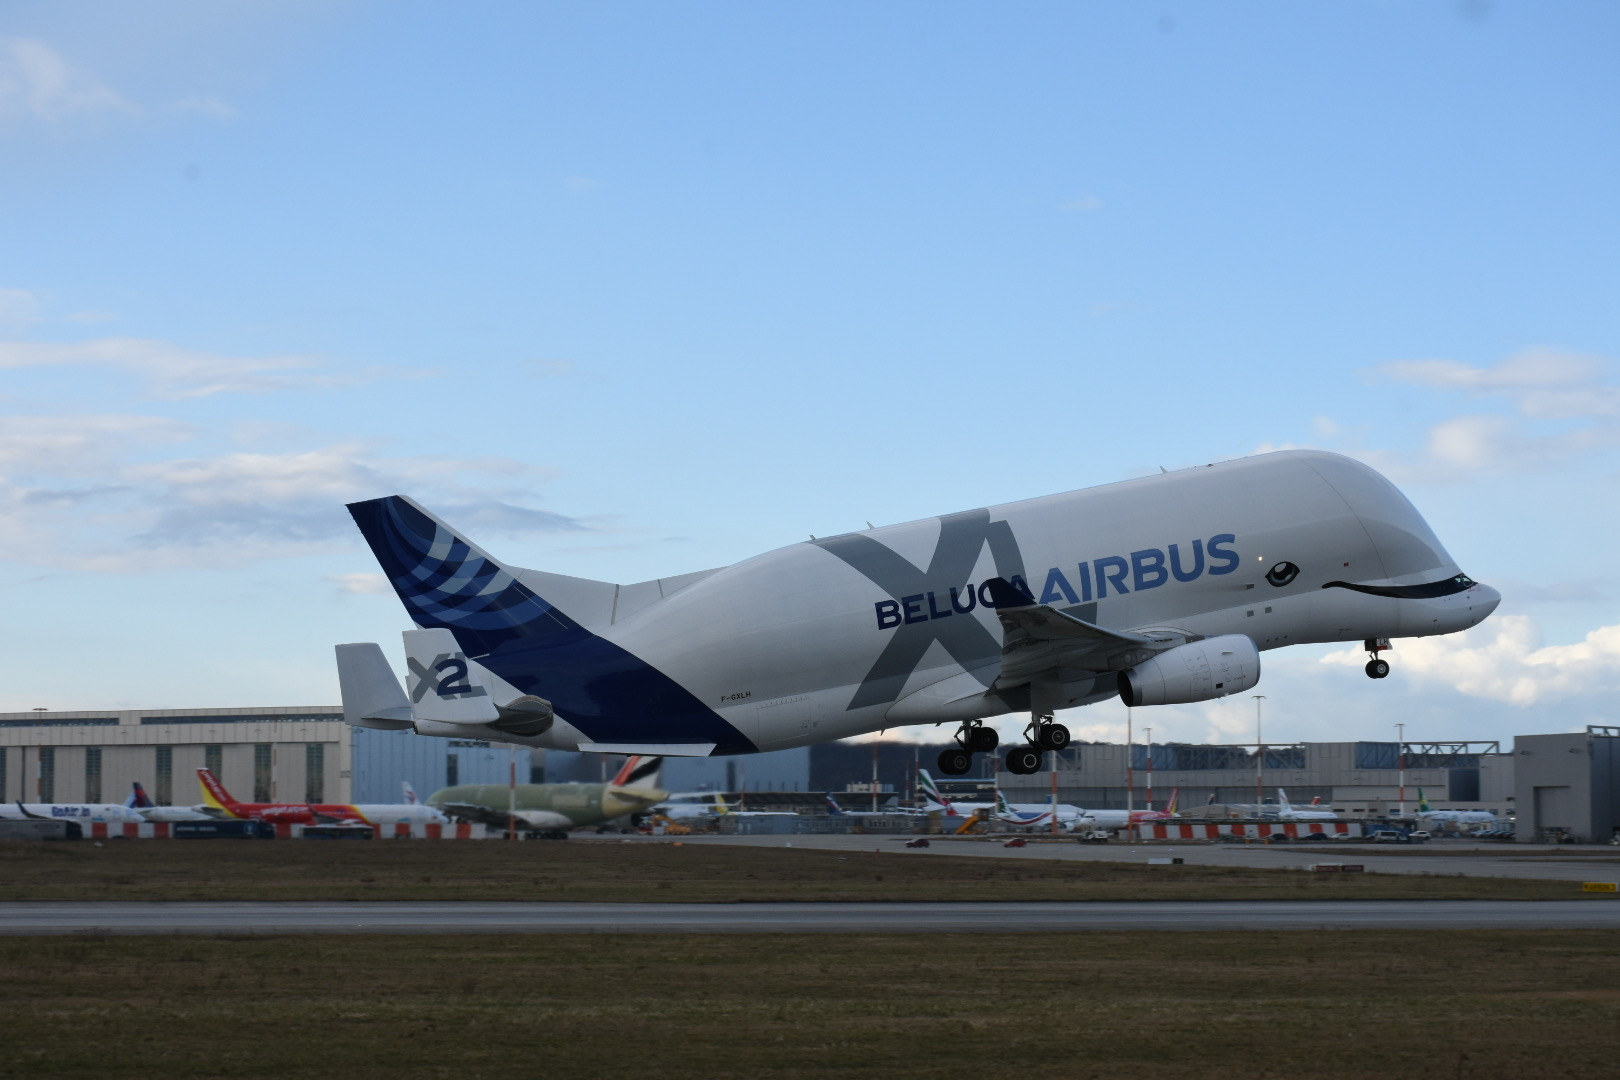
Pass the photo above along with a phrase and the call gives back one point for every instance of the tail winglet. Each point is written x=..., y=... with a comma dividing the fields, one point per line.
x=445, y=685
x=372, y=696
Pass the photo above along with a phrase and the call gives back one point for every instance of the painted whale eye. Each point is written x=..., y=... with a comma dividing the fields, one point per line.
x=1282, y=574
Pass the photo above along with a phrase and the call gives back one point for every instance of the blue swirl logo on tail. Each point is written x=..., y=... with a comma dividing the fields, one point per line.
x=444, y=581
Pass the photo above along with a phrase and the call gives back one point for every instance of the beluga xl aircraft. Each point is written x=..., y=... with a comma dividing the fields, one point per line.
x=1162, y=590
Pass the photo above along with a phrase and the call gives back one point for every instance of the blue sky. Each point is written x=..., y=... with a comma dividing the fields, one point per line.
x=632, y=290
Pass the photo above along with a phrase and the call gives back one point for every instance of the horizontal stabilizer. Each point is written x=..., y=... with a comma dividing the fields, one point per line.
x=372, y=696
x=658, y=749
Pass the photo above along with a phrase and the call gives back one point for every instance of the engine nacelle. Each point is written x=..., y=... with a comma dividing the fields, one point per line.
x=1197, y=671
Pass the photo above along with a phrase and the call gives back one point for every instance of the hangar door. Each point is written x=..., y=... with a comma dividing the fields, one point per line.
x=1555, y=809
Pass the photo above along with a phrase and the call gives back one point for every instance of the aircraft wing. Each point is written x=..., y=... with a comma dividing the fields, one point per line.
x=489, y=815
x=1039, y=641
x=483, y=815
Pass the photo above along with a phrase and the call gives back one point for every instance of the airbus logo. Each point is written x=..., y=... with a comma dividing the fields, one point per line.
x=1142, y=570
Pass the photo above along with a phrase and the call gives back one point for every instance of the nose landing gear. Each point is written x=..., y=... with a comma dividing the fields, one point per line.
x=1376, y=668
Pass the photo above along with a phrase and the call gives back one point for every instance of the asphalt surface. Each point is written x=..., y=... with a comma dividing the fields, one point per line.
x=118, y=917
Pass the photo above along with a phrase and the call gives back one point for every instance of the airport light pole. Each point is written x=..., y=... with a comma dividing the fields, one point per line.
x=1400, y=764
x=511, y=798
x=1130, y=764
x=1055, y=755
x=1150, y=767
x=1259, y=755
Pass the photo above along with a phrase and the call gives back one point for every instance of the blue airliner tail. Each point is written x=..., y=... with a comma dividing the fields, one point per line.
x=622, y=703
x=447, y=581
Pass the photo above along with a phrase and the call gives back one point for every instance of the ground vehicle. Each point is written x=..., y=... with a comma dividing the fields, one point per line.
x=1418, y=836
x=1386, y=836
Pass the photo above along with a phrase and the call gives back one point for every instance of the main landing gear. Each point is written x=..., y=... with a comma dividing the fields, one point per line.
x=1377, y=668
x=975, y=738
x=1043, y=735
x=972, y=738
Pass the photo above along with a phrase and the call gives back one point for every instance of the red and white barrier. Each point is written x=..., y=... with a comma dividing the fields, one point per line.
x=129, y=830
x=1249, y=830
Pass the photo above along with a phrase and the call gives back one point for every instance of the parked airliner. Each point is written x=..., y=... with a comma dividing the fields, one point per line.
x=1287, y=811
x=1456, y=817
x=1161, y=590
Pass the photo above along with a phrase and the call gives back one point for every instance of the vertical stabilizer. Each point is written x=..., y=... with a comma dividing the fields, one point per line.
x=215, y=795
x=447, y=581
x=640, y=771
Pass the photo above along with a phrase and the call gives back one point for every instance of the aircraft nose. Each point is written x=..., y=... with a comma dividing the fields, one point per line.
x=1486, y=603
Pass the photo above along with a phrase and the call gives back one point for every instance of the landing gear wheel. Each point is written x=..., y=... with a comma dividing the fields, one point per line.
x=982, y=740
x=1377, y=669
x=1023, y=760
x=1052, y=737
x=955, y=762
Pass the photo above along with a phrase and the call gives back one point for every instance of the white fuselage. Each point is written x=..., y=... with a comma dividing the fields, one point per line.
x=81, y=812
x=852, y=634
x=789, y=639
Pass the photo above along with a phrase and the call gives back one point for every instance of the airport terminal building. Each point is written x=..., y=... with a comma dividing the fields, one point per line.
x=1564, y=785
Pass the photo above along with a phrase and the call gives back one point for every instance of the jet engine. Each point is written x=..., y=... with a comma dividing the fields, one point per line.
x=1196, y=671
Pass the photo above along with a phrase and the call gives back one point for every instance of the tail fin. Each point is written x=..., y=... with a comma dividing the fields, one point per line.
x=1423, y=802
x=448, y=582
x=1316, y=800
x=1282, y=800
x=372, y=697
x=639, y=771
x=931, y=794
x=1175, y=801
x=411, y=798
x=833, y=809
x=138, y=798
x=215, y=795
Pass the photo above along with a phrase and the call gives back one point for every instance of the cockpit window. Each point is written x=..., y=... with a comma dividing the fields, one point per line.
x=1427, y=591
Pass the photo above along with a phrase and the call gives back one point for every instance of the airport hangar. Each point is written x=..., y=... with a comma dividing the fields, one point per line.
x=1564, y=784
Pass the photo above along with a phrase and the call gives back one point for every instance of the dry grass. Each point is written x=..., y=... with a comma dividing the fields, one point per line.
x=1374, y=1005
x=592, y=871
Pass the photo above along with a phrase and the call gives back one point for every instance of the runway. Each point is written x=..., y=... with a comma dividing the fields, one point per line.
x=117, y=917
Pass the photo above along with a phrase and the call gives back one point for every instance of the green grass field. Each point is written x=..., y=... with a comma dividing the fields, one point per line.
x=1286, y=1005
x=1377, y=1005
x=596, y=871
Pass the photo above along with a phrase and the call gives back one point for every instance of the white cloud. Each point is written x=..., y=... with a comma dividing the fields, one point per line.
x=18, y=308
x=83, y=444
x=362, y=584
x=206, y=105
x=1563, y=405
x=76, y=493
x=38, y=84
x=1085, y=204
x=1505, y=661
x=90, y=317
x=170, y=371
